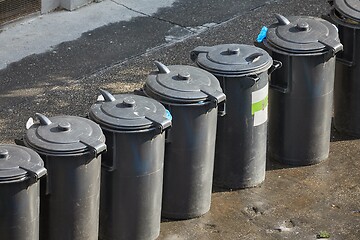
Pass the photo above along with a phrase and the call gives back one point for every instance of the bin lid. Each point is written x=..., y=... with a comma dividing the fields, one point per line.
x=348, y=8
x=19, y=163
x=232, y=59
x=303, y=35
x=65, y=135
x=183, y=84
x=129, y=112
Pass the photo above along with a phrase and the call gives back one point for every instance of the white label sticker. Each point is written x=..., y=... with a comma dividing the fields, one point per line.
x=260, y=105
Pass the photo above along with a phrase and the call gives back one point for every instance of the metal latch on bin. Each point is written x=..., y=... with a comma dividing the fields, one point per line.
x=214, y=96
x=95, y=145
x=161, y=122
x=36, y=171
x=332, y=44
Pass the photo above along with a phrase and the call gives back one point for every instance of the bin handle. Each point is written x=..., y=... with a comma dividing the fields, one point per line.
x=222, y=106
x=276, y=65
x=285, y=88
x=162, y=67
x=108, y=97
x=139, y=92
x=43, y=119
x=351, y=62
x=168, y=138
x=281, y=19
x=195, y=53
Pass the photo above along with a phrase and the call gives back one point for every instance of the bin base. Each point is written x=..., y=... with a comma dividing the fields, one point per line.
x=346, y=131
x=177, y=216
x=233, y=186
x=298, y=162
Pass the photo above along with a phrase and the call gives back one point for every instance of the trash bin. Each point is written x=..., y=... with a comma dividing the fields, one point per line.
x=240, y=155
x=70, y=147
x=346, y=15
x=132, y=168
x=301, y=92
x=192, y=95
x=20, y=171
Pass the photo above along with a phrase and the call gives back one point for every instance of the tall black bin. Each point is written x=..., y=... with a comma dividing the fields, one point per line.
x=301, y=92
x=346, y=15
x=240, y=155
x=132, y=168
x=70, y=147
x=20, y=171
x=192, y=96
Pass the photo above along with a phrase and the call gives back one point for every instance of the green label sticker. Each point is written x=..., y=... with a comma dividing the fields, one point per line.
x=259, y=105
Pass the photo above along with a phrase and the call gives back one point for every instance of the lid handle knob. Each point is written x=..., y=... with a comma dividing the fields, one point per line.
x=303, y=26
x=4, y=154
x=107, y=96
x=43, y=119
x=162, y=68
x=129, y=102
x=281, y=19
x=64, y=126
x=183, y=75
x=233, y=50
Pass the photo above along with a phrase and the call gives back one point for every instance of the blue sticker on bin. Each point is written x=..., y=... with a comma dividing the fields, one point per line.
x=168, y=115
x=262, y=34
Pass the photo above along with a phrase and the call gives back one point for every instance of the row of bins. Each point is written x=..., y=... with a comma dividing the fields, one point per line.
x=151, y=170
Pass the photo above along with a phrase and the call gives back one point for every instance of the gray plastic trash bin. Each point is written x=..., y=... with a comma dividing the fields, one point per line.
x=20, y=171
x=346, y=15
x=240, y=155
x=192, y=96
x=70, y=147
x=301, y=92
x=132, y=168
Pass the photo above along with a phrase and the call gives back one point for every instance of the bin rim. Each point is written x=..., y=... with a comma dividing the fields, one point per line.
x=232, y=60
x=337, y=20
x=18, y=164
x=65, y=135
x=348, y=8
x=302, y=36
x=183, y=84
x=129, y=113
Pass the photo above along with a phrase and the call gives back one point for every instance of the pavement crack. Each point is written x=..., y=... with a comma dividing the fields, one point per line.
x=157, y=18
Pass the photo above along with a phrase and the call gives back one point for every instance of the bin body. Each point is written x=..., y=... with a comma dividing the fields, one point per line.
x=242, y=70
x=189, y=161
x=192, y=96
x=70, y=194
x=301, y=92
x=132, y=168
x=347, y=85
x=20, y=170
x=70, y=198
x=300, y=119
